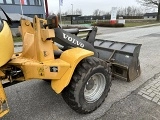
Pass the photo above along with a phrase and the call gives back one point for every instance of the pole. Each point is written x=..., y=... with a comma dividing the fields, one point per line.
x=72, y=15
x=60, y=12
x=72, y=9
x=21, y=7
x=46, y=4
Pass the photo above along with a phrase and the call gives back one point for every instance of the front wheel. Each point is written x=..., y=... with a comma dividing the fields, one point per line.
x=89, y=85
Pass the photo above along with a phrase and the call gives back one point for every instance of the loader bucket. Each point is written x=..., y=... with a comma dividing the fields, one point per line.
x=122, y=56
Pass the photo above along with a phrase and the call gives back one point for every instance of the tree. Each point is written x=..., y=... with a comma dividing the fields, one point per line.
x=96, y=12
x=151, y=3
x=130, y=11
x=78, y=12
x=75, y=12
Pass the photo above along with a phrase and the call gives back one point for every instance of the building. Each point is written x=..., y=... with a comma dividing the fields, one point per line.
x=151, y=16
x=29, y=7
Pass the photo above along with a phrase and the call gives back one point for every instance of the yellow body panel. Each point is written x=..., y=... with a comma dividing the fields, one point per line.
x=34, y=46
x=47, y=34
x=33, y=69
x=72, y=56
x=1, y=74
x=6, y=45
x=37, y=58
x=65, y=64
x=4, y=109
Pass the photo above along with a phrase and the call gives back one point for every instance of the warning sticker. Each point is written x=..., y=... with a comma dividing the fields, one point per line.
x=41, y=71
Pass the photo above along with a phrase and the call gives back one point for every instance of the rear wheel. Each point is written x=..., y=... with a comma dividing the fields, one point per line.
x=89, y=85
x=47, y=81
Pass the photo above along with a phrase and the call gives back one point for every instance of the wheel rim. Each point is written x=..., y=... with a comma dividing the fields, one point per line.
x=94, y=87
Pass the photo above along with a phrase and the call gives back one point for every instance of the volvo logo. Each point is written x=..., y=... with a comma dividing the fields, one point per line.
x=72, y=40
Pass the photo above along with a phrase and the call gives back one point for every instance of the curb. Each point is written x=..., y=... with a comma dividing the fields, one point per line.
x=149, y=25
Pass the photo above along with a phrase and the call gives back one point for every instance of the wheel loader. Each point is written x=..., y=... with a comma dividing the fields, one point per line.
x=80, y=70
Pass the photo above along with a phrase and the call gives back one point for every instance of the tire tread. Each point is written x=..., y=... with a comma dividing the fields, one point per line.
x=68, y=92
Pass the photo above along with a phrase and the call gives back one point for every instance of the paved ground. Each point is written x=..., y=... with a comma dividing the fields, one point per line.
x=136, y=106
x=35, y=100
x=152, y=91
x=133, y=107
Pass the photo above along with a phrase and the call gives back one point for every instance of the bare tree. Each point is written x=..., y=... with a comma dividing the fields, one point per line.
x=127, y=11
x=75, y=12
x=131, y=11
x=151, y=3
x=78, y=12
x=52, y=13
x=96, y=12
x=101, y=12
x=65, y=13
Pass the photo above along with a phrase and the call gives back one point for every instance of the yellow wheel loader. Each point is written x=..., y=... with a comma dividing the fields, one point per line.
x=80, y=69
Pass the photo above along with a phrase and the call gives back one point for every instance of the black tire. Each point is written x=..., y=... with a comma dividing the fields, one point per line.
x=78, y=94
x=47, y=81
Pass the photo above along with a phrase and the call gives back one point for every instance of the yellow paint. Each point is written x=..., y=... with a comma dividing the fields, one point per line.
x=47, y=34
x=1, y=74
x=29, y=47
x=72, y=56
x=34, y=45
x=55, y=47
x=41, y=71
x=6, y=45
x=66, y=65
x=3, y=101
x=33, y=69
x=37, y=58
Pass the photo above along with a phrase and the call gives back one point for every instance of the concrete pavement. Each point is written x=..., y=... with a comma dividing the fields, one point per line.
x=151, y=91
x=139, y=105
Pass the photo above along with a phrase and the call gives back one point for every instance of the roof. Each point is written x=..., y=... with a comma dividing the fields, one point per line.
x=72, y=15
x=151, y=14
x=15, y=16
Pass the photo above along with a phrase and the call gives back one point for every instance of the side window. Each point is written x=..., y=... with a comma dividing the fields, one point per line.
x=17, y=1
x=1, y=2
x=9, y=1
x=31, y=2
x=38, y=2
x=1, y=24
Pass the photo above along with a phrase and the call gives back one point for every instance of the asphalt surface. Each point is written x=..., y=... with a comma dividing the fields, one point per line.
x=134, y=106
x=35, y=100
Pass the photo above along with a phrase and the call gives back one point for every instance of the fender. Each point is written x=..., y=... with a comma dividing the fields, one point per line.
x=72, y=56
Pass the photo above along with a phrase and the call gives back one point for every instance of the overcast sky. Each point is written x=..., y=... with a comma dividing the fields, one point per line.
x=88, y=6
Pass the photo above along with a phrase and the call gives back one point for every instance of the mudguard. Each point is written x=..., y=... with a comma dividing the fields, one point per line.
x=72, y=56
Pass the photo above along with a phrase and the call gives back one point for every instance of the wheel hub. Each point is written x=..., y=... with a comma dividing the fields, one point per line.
x=90, y=84
x=94, y=87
